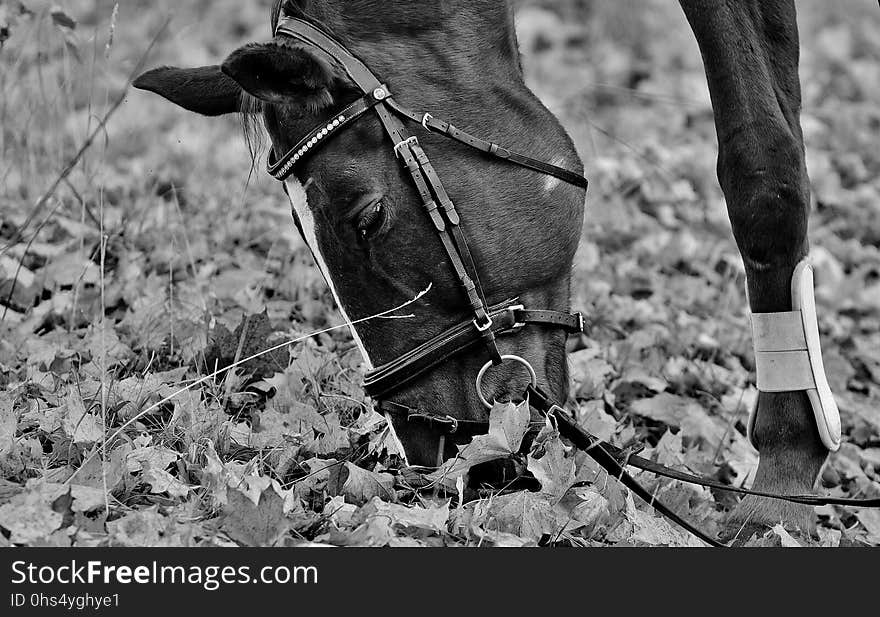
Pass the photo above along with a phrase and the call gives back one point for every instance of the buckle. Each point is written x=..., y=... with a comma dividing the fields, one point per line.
x=517, y=325
x=454, y=428
x=484, y=327
x=582, y=323
x=405, y=142
x=550, y=416
x=425, y=120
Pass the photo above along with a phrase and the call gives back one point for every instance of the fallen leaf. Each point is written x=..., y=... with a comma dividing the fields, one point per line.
x=829, y=538
x=508, y=425
x=554, y=470
x=150, y=528
x=161, y=481
x=340, y=513
x=670, y=409
x=359, y=486
x=644, y=528
x=522, y=514
x=96, y=473
x=262, y=524
x=154, y=457
x=36, y=512
x=87, y=499
x=376, y=532
x=870, y=520
x=430, y=519
x=81, y=427
x=785, y=537
x=580, y=507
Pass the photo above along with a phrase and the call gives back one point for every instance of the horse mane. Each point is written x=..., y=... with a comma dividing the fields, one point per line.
x=252, y=127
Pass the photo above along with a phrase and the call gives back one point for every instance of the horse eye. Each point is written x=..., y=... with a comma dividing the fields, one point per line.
x=371, y=221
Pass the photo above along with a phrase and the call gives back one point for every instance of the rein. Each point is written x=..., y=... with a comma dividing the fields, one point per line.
x=487, y=322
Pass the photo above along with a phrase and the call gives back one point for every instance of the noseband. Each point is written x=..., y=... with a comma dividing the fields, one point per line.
x=486, y=322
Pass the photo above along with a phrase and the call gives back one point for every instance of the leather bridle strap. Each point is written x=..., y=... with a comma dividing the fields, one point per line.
x=505, y=318
x=365, y=79
x=450, y=425
x=282, y=169
x=416, y=162
x=446, y=129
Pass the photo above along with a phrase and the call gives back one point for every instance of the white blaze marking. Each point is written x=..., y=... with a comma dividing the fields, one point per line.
x=300, y=204
x=551, y=182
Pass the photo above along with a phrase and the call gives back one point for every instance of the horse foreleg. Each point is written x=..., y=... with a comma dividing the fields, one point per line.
x=751, y=52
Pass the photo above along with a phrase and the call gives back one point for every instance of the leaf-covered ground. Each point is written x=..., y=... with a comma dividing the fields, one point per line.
x=159, y=260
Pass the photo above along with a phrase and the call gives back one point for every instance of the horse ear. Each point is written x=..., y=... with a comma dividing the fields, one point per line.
x=204, y=90
x=285, y=74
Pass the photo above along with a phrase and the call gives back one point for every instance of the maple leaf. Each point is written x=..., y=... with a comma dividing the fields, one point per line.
x=785, y=538
x=256, y=524
x=253, y=336
x=146, y=528
x=593, y=417
x=426, y=518
x=340, y=513
x=87, y=498
x=161, y=481
x=522, y=514
x=104, y=346
x=198, y=420
x=36, y=512
x=319, y=471
x=359, y=485
x=96, y=473
x=578, y=508
x=285, y=419
x=215, y=476
x=376, y=532
x=670, y=409
x=154, y=457
x=870, y=520
x=554, y=470
x=829, y=538
x=589, y=373
x=508, y=424
x=81, y=427
x=643, y=528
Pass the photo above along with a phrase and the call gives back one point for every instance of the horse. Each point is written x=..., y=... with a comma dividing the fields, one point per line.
x=361, y=211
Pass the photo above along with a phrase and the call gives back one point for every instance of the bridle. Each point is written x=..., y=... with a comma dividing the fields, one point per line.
x=486, y=322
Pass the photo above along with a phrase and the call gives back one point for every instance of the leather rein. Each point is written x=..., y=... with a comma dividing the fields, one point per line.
x=487, y=321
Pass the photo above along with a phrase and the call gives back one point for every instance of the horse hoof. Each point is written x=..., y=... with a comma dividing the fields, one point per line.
x=756, y=516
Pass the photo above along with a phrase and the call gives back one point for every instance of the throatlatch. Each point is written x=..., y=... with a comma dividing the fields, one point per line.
x=788, y=356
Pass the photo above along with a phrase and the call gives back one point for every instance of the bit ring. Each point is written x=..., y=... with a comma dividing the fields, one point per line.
x=482, y=374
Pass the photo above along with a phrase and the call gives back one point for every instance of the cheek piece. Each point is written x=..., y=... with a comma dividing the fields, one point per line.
x=788, y=357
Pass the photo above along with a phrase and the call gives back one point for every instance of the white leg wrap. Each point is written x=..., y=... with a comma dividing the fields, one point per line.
x=788, y=356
